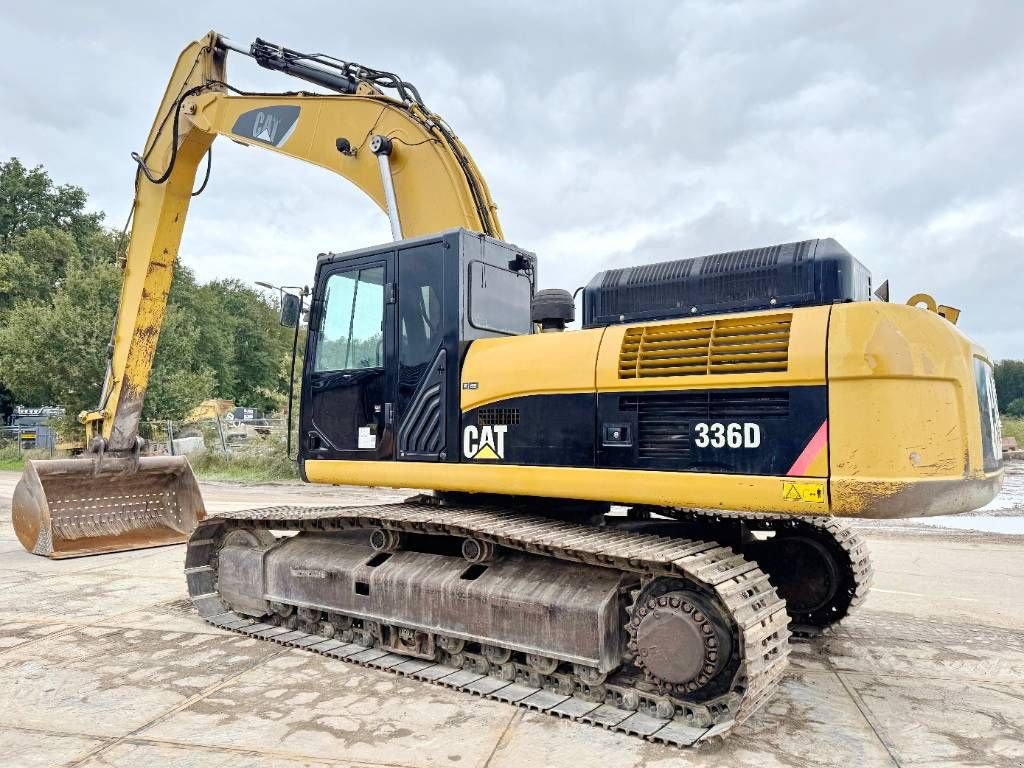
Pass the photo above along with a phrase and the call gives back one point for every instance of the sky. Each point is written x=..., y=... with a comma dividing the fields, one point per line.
x=609, y=133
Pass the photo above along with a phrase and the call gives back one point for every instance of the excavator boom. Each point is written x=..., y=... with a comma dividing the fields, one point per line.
x=403, y=156
x=734, y=404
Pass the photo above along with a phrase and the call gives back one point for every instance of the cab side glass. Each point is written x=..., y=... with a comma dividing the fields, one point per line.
x=351, y=333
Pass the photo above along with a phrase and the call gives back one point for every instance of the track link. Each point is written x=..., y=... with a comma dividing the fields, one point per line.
x=758, y=613
x=857, y=571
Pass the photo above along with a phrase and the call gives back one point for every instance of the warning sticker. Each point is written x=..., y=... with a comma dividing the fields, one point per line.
x=367, y=440
x=812, y=492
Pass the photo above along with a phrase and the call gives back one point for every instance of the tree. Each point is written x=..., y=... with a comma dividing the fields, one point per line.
x=1009, y=376
x=36, y=261
x=20, y=281
x=53, y=351
x=41, y=226
x=259, y=344
x=179, y=380
x=239, y=338
x=59, y=287
x=29, y=200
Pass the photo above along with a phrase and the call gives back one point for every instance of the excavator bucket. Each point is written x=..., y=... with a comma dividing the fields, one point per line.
x=73, y=507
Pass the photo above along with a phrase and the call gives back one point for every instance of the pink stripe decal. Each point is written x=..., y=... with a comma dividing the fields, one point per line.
x=810, y=451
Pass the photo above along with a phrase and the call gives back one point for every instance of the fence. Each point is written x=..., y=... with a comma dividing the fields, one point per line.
x=162, y=438
x=224, y=436
x=33, y=438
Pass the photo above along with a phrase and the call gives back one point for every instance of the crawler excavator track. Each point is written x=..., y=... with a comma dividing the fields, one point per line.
x=819, y=565
x=663, y=589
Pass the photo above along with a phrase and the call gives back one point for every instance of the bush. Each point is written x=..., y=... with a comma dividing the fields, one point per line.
x=1014, y=428
x=1015, y=408
x=259, y=460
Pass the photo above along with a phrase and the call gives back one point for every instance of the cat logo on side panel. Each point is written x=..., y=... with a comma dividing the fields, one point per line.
x=484, y=443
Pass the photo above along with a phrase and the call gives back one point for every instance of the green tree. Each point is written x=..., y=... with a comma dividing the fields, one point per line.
x=19, y=281
x=59, y=287
x=36, y=221
x=179, y=380
x=259, y=344
x=1009, y=376
x=54, y=351
x=239, y=339
x=35, y=262
x=29, y=200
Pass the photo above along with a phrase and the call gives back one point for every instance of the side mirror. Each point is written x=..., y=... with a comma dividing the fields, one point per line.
x=291, y=309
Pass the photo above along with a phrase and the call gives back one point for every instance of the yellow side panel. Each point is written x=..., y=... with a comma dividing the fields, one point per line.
x=806, y=365
x=540, y=364
x=897, y=428
x=904, y=424
x=620, y=486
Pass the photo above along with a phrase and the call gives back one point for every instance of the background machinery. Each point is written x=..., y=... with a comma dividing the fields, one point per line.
x=32, y=428
x=625, y=522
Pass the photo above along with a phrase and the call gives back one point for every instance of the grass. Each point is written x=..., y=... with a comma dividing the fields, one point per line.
x=11, y=458
x=1014, y=428
x=259, y=462
x=14, y=460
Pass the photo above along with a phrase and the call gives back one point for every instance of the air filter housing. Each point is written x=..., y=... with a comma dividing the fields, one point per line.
x=808, y=273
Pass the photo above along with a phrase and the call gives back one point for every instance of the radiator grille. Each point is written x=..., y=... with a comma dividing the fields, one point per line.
x=734, y=345
x=493, y=416
x=663, y=420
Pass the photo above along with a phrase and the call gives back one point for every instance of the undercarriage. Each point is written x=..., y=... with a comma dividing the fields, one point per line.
x=657, y=623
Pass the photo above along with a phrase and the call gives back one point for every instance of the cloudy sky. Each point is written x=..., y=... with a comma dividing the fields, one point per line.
x=609, y=133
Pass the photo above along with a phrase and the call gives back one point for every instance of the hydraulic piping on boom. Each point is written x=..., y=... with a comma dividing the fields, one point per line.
x=372, y=128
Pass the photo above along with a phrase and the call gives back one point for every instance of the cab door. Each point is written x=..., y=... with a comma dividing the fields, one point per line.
x=347, y=397
x=426, y=339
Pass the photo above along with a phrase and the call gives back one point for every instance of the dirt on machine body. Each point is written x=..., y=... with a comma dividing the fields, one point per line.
x=670, y=638
x=625, y=522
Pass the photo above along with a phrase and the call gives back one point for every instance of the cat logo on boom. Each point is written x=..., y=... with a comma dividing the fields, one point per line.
x=486, y=442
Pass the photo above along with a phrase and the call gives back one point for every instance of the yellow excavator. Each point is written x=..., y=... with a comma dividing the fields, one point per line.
x=622, y=524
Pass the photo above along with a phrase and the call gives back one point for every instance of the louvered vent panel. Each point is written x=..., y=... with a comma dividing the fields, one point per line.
x=664, y=420
x=746, y=345
x=494, y=416
x=750, y=345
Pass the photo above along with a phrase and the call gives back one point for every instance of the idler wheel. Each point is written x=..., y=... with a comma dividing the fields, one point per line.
x=679, y=639
x=248, y=537
x=807, y=575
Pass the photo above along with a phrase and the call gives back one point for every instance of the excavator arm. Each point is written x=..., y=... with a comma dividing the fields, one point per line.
x=394, y=149
x=403, y=156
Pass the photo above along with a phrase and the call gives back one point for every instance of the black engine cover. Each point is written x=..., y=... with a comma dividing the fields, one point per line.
x=808, y=273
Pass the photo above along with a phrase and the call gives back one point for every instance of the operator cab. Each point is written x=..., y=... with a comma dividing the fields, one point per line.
x=388, y=327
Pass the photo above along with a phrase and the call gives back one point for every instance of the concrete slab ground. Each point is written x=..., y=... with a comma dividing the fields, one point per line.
x=103, y=663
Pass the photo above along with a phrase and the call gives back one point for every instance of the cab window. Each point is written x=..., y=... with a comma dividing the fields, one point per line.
x=351, y=335
x=499, y=300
